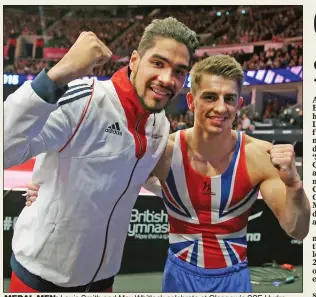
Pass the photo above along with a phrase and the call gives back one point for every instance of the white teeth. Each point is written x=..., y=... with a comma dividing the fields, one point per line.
x=217, y=118
x=159, y=92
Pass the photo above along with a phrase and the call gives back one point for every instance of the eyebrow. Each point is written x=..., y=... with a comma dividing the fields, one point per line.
x=214, y=93
x=186, y=67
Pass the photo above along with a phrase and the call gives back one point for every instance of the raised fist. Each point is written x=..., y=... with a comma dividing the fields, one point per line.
x=282, y=157
x=86, y=53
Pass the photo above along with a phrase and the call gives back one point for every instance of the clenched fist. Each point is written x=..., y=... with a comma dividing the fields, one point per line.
x=86, y=53
x=282, y=157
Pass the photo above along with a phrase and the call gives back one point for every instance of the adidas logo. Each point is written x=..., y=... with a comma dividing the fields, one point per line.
x=115, y=129
x=156, y=136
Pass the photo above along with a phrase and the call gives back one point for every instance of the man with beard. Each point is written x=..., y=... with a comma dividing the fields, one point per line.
x=96, y=142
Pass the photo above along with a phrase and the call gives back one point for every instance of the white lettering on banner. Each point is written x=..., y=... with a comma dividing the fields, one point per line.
x=295, y=241
x=8, y=223
x=154, y=225
x=253, y=237
x=148, y=225
x=10, y=79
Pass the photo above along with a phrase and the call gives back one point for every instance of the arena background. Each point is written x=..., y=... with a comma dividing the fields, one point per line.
x=266, y=40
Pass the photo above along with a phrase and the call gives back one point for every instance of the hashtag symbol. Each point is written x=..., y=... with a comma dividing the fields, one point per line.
x=7, y=223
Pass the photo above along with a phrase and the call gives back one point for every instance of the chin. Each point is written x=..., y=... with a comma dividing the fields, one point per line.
x=215, y=130
x=153, y=105
x=153, y=108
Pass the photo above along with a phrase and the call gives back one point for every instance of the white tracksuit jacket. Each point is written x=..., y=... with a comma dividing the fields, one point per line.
x=95, y=148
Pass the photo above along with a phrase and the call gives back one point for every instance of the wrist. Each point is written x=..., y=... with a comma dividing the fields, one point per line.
x=296, y=186
x=61, y=75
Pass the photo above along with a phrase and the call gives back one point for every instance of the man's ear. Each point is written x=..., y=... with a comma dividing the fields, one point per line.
x=190, y=101
x=134, y=60
x=240, y=102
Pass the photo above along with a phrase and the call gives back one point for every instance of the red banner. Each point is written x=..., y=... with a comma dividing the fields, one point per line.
x=54, y=53
x=5, y=51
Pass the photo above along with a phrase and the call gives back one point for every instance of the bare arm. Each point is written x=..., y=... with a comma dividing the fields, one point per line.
x=153, y=185
x=282, y=190
x=161, y=170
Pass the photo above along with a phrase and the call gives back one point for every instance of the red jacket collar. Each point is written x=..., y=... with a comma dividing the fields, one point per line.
x=126, y=91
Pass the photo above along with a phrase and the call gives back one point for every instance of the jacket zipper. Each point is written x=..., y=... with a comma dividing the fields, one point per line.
x=126, y=188
x=138, y=137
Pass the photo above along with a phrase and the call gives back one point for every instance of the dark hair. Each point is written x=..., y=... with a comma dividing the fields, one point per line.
x=168, y=28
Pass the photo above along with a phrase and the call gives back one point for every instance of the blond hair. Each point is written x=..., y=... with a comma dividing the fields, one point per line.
x=221, y=65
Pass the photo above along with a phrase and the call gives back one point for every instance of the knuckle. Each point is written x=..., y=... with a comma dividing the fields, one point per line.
x=95, y=45
x=291, y=148
x=83, y=35
x=98, y=55
x=288, y=161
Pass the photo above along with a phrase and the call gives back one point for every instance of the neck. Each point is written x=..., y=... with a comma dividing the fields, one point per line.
x=209, y=146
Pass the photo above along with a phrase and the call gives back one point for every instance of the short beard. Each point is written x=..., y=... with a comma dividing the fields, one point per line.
x=142, y=100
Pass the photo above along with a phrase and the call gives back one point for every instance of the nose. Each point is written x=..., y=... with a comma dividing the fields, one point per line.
x=220, y=106
x=166, y=78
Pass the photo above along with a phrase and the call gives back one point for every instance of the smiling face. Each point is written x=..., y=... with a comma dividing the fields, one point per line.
x=159, y=74
x=215, y=103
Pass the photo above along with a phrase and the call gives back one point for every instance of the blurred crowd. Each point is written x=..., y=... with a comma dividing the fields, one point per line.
x=262, y=24
x=121, y=28
x=29, y=21
x=65, y=33
x=288, y=55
